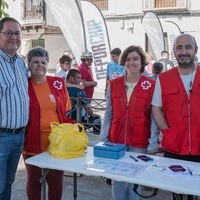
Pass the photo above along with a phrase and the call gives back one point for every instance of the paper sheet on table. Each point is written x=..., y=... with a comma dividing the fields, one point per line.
x=116, y=167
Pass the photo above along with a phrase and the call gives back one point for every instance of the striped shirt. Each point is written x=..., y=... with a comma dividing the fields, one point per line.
x=14, y=100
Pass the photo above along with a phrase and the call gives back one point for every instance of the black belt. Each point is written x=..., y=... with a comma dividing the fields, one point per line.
x=14, y=131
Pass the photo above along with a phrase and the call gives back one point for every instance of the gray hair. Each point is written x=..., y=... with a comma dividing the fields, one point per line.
x=39, y=52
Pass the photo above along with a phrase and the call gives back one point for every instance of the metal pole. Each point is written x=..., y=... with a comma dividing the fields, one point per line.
x=43, y=181
x=75, y=186
x=78, y=111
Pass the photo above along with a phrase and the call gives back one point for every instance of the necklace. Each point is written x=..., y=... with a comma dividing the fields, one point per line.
x=188, y=80
x=191, y=78
x=132, y=80
x=130, y=84
x=191, y=81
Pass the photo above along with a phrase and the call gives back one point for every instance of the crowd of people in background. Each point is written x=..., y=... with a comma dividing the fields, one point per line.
x=151, y=95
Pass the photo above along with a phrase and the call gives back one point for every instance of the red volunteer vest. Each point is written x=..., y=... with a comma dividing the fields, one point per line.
x=131, y=122
x=181, y=113
x=32, y=138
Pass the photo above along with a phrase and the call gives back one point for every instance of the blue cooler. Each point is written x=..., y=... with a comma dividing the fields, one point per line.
x=109, y=150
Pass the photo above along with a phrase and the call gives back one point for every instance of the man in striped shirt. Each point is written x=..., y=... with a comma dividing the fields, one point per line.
x=14, y=103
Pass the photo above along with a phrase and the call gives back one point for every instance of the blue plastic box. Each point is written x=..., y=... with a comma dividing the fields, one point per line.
x=109, y=150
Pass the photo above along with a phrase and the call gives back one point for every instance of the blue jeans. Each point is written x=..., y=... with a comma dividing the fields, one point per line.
x=11, y=146
x=122, y=190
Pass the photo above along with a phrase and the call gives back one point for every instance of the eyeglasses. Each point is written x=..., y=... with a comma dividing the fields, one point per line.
x=9, y=34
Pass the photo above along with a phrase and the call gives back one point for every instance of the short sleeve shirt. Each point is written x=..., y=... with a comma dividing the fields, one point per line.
x=86, y=74
x=114, y=70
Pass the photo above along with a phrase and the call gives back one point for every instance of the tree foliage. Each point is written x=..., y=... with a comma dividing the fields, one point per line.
x=3, y=5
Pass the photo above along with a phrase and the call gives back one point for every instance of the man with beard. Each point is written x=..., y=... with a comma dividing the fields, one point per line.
x=176, y=104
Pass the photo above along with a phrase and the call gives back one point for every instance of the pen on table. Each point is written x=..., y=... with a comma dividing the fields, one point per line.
x=134, y=158
x=189, y=170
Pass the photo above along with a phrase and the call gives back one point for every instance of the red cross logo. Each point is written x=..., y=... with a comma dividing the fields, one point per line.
x=58, y=85
x=146, y=85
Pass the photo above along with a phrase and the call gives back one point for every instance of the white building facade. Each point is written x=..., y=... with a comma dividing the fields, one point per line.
x=123, y=19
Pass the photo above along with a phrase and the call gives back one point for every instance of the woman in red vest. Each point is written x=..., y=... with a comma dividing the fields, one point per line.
x=127, y=117
x=49, y=102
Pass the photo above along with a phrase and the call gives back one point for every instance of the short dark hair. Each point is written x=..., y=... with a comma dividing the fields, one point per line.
x=7, y=19
x=164, y=52
x=39, y=52
x=157, y=68
x=73, y=73
x=137, y=49
x=64, y=58
x=116, y=51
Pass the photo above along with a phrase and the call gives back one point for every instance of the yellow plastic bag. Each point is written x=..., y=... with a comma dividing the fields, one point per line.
x=67, y=140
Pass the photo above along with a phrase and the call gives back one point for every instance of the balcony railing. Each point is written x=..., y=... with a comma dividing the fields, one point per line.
x=101, y=4
x=32, y=11
x=164, y=4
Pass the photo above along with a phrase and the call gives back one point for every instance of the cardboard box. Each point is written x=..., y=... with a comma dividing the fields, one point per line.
x=109, y=150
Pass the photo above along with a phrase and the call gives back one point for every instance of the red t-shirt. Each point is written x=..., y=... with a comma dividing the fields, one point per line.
x=86, y=74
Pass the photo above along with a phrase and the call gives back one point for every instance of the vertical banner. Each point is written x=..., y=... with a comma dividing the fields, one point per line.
x=68, y=17
x=173, y=31
x=154, y=31
x=97, y=39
